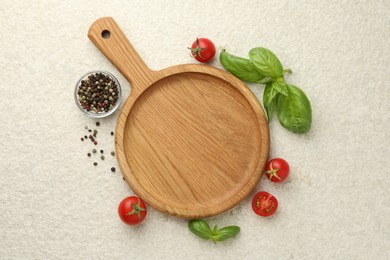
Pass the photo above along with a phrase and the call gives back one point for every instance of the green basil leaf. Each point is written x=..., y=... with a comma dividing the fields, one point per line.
x=280, y=86
x=269, y=100
x=266, y=62
x=226, y=233
x=240, y=67
x=215, y=230
x=200, y=228
x=294, y=110
x=269, y=94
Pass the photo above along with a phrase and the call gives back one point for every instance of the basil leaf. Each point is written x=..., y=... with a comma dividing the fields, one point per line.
x=215, y=230
x=266, y=62
x=269, y=100
x=226, y=233
x=294, y=110
x=280, y=86
x=200, y=228
x=240, y=67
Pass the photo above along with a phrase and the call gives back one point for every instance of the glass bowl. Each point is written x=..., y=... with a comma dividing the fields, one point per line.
x=99, y=114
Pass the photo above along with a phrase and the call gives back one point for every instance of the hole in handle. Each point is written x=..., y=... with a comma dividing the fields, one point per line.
x=106, y=34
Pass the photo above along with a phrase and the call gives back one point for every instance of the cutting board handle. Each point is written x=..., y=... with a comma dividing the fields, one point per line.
x=109, y=38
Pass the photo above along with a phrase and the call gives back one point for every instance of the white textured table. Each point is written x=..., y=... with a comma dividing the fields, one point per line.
x=336, y=205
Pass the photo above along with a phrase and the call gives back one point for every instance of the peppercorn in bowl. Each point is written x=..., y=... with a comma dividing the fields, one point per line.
x=98, y=94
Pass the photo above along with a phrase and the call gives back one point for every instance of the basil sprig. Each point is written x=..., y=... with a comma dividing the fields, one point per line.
x=290, y=102
x=202, y=229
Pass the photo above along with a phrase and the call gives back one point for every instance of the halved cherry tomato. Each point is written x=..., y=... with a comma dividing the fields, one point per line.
x=132, y=210
x=264, y=204
x=277, y=170
x=202, y=49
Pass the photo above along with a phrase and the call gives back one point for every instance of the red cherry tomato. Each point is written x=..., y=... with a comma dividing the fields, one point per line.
x=132, y=210
x=203, y=50
x=277, y=170
x=264, y=204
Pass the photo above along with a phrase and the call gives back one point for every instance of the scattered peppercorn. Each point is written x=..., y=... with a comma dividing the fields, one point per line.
x=94, y=134
x=89, y=130
x=85, y=136
x=86, y=127
x=112, y=153
x=89, y=154
x=123, y=178
x=112, y=133
x=94, y=142
x=94, y=150
x=102, y=157
x=98, y=123
x=101, y=151
x=82, y=139
x=95, y=163
x=113, y=169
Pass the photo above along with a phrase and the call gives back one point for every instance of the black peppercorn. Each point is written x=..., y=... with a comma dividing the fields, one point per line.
x=82, y=139
x=102, y=157
x=101, y=151
x=98, y=123
x=94, y=150
x=89, y=154
x=95, y=163
x=112, y=133
x=113, y=169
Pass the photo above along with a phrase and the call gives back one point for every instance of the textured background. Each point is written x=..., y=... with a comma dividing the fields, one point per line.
x=336, y=204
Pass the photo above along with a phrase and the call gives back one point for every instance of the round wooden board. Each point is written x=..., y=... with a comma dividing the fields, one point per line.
x=191, y=140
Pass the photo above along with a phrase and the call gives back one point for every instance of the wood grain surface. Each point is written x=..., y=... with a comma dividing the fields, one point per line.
x=191, y=140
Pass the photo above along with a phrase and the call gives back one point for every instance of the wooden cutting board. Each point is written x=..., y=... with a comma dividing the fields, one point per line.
x=191, y=140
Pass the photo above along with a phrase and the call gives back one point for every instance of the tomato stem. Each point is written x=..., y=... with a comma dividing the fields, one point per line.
x=136, y=209
x=197, y=50
x=273, y=172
